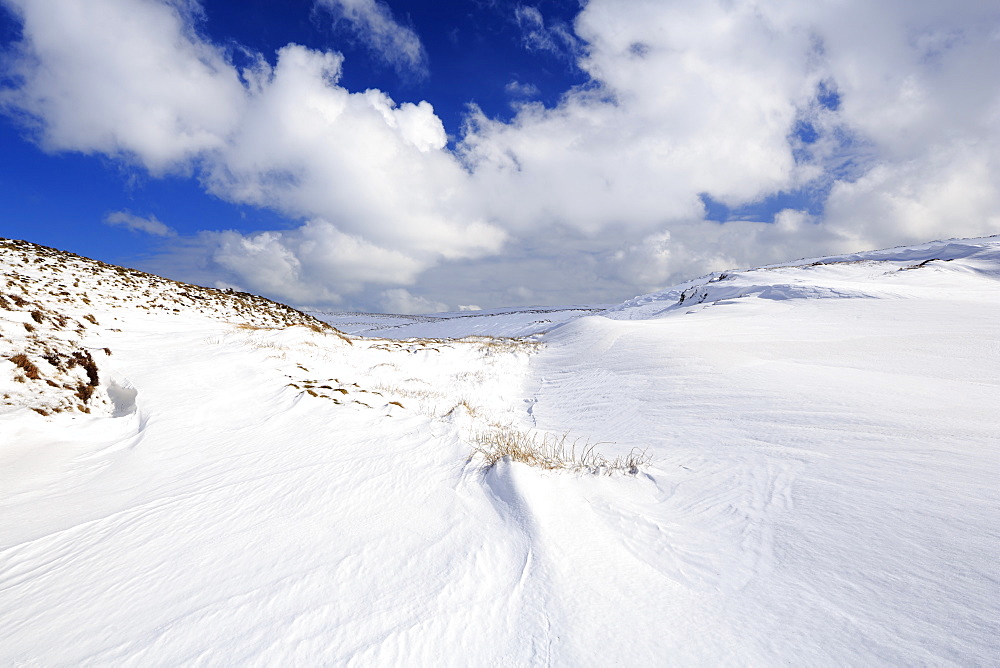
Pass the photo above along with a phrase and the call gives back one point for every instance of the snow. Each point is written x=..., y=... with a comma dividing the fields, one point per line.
x=507, y=322
x=250, y=487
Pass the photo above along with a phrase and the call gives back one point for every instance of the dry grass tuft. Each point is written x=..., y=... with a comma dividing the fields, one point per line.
x=85, y=360
x=489, y=346
x=550, y=452
x=464, y=403
x=84, y=392
x=21, y=360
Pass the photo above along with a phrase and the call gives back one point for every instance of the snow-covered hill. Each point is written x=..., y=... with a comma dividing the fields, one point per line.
x=238, y=483
x=509, y=322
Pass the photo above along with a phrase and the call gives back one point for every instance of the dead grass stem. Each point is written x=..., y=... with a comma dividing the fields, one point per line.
x=550, y=452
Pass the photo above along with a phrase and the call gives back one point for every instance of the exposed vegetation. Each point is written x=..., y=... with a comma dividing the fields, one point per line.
x=21, y=361
x=550, y=452
x=123, y=286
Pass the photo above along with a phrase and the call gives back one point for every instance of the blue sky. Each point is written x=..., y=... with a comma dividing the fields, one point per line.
x=474, y=50
x=421, y=156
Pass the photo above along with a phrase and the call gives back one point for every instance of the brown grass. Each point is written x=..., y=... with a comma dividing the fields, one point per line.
x=21, y=360
x=84, y=392
x=550, y=452
x=499, y=345
x=85, y=360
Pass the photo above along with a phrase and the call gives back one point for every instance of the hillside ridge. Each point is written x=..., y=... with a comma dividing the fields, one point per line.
x=51, y=300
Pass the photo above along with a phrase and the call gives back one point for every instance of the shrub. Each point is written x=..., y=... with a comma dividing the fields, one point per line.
x=550, y=452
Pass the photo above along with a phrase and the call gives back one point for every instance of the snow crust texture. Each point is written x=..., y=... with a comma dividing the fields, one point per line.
x=242, y=484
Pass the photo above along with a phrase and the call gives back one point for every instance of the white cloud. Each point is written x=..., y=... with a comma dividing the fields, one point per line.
x=556, y=38
x=704, y=106
x=703, y=97
x=373, y=22
x=122, y=77
x=518, y=89
x=310, y=148
x=595, y=199
x=399, y=300
x=951, y=193
x=135, y=223
x=316, y=263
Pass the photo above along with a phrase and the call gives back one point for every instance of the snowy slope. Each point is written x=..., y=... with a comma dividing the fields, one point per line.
x=251, y=488
x=828, y=455
x=494, y=322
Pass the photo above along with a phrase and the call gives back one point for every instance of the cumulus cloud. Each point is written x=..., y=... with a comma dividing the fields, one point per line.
x=135, y=223
x=895, y=107
x=887, y=112
x=128, y=78
x=310, y=148
x=373, y=23
x=382, y=197
x=315, y=264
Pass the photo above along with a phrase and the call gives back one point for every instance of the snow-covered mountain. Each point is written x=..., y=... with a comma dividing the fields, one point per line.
x=190, y=476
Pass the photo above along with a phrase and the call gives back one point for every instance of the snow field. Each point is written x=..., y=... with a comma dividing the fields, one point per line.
x=242, y=492
x=256, y=489
x=509, y=322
